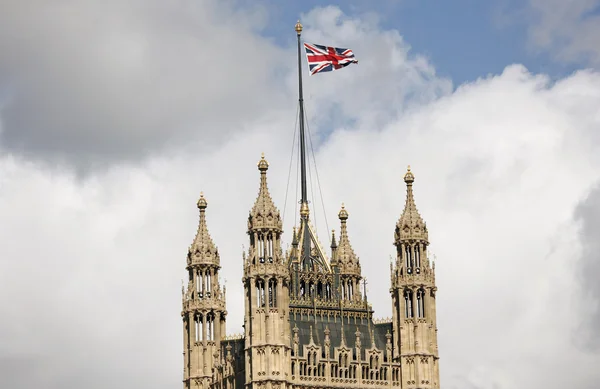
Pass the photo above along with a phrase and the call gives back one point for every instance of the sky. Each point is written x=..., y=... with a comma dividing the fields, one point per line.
x=115, y=115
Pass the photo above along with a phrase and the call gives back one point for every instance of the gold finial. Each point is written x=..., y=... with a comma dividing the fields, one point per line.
x=263, y=165
x=409, y=178
x=343, y=215
x=304, y=209
x=298, y=27
x=202, y=204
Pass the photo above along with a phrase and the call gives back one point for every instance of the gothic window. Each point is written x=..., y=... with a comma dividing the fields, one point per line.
x=343, y=291
x=272, y=293
x=260, y=293
x=328, y=290
x=208, y=283
x=210, y=327
x=320, y=289
x=420, y=303
x=197, y=327
x=270, y=247
x=302, y=288
x=407, y=253
x=408, y=303
x=198, y=283
x=311, y=289
x=417, y=258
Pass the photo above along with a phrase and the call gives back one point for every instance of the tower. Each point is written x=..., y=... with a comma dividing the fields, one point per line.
x=413, y=293
x=203, y=308
x=266, y=282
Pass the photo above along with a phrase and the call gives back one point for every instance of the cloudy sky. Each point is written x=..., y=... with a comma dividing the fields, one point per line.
x=114, y=115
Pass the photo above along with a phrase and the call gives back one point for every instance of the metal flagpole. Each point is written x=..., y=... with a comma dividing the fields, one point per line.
x=304, y=197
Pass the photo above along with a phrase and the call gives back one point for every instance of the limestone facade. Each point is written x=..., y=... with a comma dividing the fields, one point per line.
x=307, y=319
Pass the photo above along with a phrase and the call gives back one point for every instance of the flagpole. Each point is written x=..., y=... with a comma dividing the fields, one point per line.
x=304, y=196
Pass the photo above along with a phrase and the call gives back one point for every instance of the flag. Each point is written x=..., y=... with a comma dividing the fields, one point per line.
x=325, y=59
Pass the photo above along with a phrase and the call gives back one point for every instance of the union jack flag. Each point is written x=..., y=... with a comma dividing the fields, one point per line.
x=325, y=59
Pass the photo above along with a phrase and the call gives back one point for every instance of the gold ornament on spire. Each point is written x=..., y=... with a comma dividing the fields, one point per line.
x=343, y=214
x=298, y=27
x=304, y=211
x=202, y=204
x=409, y=178
x=263, y=165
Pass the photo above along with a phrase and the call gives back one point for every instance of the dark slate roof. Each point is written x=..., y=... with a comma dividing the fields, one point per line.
x=335, y=335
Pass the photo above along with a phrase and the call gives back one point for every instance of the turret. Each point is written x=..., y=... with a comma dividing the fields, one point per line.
x=203, y=307
x=266, y=282
x=413, y=293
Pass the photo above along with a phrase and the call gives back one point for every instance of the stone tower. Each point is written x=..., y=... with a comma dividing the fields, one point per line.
x=266, y=286
x=413, y=293
x=203, y=308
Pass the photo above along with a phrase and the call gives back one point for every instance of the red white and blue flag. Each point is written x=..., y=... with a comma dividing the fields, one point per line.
x=325, y=59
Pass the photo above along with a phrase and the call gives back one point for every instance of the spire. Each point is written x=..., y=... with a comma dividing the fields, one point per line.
x=333, y=242
x=410, y=226
x=345, y=253
x=264, y=214
x=203, y=249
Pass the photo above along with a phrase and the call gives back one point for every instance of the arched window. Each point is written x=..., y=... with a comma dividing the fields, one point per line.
x=272, y=292
x=260, y=293
x=261, y=248
x=420, y=303
x=408, y=256
x=417, y=258
x=270, y=247
x=302, y=288
x=408, y=303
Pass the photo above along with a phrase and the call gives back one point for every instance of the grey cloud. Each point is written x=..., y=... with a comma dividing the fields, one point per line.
x=568, y=30
x=588, y=214
x=90, y=82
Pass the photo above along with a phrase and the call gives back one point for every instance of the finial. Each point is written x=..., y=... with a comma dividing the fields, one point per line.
x=202, y=204
x=409, y=178
x=298, y=27
x=263, y=165
x=343, y=215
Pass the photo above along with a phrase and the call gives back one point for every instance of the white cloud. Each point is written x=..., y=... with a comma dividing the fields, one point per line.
x=90, y=268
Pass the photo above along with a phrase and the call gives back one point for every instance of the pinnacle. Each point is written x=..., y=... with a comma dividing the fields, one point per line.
x=346, y=254
x=411, y=224
x=264, y=213
x=203, y=248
